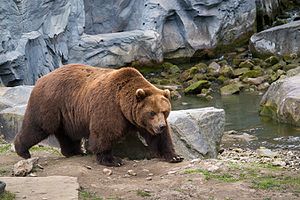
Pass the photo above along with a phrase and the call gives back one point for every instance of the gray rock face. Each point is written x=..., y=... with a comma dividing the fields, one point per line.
x=196, y=132
x=38, y=36
x=279, y=40
x=282, y=101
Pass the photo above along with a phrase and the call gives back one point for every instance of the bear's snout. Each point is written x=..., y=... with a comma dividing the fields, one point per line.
x=160, y=128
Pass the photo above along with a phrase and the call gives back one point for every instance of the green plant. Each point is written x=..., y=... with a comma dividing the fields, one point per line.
x=86, y=195
x=7, y=196
x=143, y=193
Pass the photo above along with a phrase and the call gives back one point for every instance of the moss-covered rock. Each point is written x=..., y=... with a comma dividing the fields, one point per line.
x=170, y=68
x=222, y=79
x=232, y=88
x=290, y=57
x=237, y=61
x=196, y=87
x=240, y=71
x=226, y=71
x=272, y=60
x=291, y=66
x=246, y=64
x=252, y=73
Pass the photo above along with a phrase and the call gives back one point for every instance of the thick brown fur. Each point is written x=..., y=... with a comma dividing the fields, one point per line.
x=77, y=101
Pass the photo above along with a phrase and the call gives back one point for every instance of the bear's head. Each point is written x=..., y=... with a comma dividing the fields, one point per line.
x=153, y=108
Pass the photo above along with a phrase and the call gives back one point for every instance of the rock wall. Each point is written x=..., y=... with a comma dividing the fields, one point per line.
x=38, y=36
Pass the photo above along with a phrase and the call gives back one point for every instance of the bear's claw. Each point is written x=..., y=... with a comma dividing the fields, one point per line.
x=176, y=159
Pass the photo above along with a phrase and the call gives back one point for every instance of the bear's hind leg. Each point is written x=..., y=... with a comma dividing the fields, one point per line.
x=68, y=146
x=25, y=139
x=103, y=150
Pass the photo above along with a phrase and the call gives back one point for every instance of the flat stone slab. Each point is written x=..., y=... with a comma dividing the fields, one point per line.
x=37, y=188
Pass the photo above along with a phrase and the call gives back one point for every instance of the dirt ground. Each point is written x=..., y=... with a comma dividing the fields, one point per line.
x=155, y=179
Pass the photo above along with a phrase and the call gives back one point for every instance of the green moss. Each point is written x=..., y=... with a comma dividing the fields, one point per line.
x=5, y=148
x=38, y=148
x=252, y=73
x=269, y=110
x=7, y=196
x=224, y=177
x=240, y=71
x=272, y=60
x=86, y=195
x=143, y=193
x=246, y=64
x=230, y=89
x=197, y=87
x=276, y=182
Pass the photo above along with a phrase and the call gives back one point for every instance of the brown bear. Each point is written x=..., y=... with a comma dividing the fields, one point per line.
x=77, y=101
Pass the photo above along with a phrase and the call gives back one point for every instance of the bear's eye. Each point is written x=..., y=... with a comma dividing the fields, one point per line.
x=152, y=113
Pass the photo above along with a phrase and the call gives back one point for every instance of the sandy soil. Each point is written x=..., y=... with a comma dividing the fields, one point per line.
x=156, y=179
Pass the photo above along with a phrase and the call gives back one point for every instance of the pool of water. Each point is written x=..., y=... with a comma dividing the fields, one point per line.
x=242, y=116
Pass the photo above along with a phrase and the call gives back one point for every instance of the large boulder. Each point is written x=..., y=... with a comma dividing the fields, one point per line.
x=280, y=40
x=196, y=132
x=38, y=36
x=282, y=101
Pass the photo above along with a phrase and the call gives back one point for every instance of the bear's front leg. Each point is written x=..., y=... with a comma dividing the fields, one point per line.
x=166, y=148
x=162, y=145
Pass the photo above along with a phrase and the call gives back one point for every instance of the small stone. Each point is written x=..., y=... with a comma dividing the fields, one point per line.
x=107, y=172
x=131, y=172
x=172, y=172
x=87, y=166
x=149, y=178
x=196, y=160
x=279, y=163
x=151, y=174
x=24, y=167
x=32, y=175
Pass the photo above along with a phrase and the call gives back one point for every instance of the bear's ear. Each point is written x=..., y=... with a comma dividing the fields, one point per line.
x=167, y=93
x=140, y=94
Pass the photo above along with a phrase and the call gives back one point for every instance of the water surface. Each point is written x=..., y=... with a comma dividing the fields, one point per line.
x=242, y=116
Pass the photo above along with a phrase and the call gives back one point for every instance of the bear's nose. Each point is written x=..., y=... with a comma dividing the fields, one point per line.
x=162, y=127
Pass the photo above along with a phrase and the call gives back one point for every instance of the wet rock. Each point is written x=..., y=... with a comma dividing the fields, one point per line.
x=263, y=86
x=282, y=101
x=275, y=41
x=231, y=137
x=232, y=88
x=264, y=152
x=197, y=87
x=24, y=167
x=197, y=132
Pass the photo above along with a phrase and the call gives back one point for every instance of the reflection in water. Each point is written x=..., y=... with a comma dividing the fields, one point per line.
x=242, y=115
